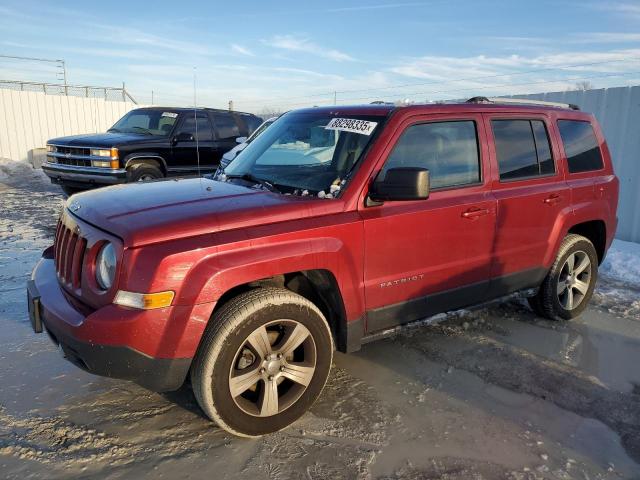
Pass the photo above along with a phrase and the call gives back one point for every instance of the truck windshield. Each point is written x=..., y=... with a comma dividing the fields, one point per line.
x=146, y=122
x=305, y=153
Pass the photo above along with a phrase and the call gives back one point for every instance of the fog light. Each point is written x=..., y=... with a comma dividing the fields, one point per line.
x=144, y=301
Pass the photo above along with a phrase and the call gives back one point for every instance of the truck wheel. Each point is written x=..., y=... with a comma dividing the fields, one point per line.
x=143, y=172
x=263, y=361
x=569, y=285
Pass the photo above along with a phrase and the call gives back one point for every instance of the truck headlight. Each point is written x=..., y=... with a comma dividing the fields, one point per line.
x=51, y=148
x=106, y=266
x=110, y=155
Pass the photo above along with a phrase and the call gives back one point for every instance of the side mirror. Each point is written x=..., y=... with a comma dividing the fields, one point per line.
x=241, y=139
x=407, y=183
x=183, y=137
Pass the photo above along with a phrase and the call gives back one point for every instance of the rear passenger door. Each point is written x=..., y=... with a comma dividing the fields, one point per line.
x=426, y=256
x=531, y=193
x=227, y=130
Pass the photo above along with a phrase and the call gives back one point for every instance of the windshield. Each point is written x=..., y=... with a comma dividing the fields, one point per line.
x=147, y=122
x=305, y=153
x=260, y=129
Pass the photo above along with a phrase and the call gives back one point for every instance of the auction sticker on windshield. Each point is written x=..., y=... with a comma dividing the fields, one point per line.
x=169, y=114
x=352, y=125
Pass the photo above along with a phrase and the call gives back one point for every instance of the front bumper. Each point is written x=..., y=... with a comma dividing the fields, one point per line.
x=76, y=175
x=105, y=341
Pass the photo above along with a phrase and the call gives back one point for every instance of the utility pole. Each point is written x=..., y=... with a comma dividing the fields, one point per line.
x=231, y=105
x=335, y=97
x=151, y=97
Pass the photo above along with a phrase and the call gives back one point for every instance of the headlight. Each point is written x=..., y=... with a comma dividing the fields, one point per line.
x=106, y=266
x=100, y=152
x=51, y=148
x=110, y=156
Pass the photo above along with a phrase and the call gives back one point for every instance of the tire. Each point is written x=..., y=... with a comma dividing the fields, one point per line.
x=559, y=286
x=229, y=347
x=143, y=172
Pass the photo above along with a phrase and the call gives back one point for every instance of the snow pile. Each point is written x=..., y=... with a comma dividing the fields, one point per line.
x=11, y=167
x=622, y=262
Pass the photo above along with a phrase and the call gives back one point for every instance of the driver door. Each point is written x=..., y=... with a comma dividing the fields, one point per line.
x=426, y=256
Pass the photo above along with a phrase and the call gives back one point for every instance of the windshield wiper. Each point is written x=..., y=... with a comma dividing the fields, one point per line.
x=261, y=181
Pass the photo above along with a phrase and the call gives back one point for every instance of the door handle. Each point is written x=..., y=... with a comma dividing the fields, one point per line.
x=475, y=213
x=552, y=199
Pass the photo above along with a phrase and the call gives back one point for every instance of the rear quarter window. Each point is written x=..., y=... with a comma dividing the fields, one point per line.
x=580, y=146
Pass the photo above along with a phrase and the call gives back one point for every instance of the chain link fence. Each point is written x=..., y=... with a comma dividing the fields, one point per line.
x=114, y=94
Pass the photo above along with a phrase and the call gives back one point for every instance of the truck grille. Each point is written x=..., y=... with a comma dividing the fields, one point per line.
x=69, y=249
x=75, y=155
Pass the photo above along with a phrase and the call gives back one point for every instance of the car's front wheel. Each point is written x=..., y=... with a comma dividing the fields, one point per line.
x=569, y=285
x=263, y=361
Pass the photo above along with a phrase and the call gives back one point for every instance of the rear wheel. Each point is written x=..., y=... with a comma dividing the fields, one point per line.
x=143, y=172
x=263, y=361
x=569, y=285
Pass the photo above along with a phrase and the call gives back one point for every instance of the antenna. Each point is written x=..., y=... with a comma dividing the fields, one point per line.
x=195, y=120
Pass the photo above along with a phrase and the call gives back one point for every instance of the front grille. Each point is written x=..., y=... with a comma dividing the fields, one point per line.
x=69, y=249
x=74, y=150
x=77, y=162
x=74, y=156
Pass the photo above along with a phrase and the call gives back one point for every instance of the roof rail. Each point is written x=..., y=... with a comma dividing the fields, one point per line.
x=522, y=101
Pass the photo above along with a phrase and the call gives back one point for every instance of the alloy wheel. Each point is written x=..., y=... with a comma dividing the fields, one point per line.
x=272, y=368
x=574, y=280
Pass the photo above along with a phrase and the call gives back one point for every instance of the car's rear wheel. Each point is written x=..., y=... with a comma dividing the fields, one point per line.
x=263, y=361
x=569, y=285
x=143, y=172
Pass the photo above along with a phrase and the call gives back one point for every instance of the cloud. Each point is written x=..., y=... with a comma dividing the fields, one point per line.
x=242, y=50
x=297, y=44
x=607, y=37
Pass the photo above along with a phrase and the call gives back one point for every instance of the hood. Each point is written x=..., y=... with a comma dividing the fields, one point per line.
x=150, y=212
x=101, y=139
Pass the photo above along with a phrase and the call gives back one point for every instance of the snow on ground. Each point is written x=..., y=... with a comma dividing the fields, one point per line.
x=623, y=262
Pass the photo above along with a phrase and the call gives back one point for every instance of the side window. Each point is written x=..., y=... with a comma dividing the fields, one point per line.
x=204, y=132
x=226, y=126
x=522, y=148
x=580, y=145
x=449, y=150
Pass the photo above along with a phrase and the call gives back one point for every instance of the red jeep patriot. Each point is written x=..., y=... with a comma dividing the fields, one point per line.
x=334, y=224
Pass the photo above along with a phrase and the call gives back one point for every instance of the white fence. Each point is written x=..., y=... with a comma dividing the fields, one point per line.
x=618, y=111
x=29, y=119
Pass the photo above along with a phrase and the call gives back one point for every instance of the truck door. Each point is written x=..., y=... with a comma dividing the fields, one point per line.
x=185, y=155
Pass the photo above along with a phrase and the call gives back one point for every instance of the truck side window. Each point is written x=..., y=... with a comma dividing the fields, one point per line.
x=226, y=126
x=580, y=146
x=449, y=150
x=522, y=149
x=205, y=133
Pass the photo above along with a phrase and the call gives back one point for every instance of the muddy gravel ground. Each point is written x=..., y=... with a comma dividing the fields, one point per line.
x=490, y=393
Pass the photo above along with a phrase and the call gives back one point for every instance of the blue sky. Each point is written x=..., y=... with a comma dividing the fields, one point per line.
x=281, y=55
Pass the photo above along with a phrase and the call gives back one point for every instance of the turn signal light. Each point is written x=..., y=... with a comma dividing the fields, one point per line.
x=144, y=301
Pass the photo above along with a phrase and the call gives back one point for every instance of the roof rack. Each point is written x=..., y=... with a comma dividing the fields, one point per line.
x=522, y=101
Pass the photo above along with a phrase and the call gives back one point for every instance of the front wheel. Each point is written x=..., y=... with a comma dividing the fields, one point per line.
x=568, y=287
x=263, y=361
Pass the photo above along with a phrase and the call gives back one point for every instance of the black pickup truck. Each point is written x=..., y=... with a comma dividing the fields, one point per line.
x=147, y=144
